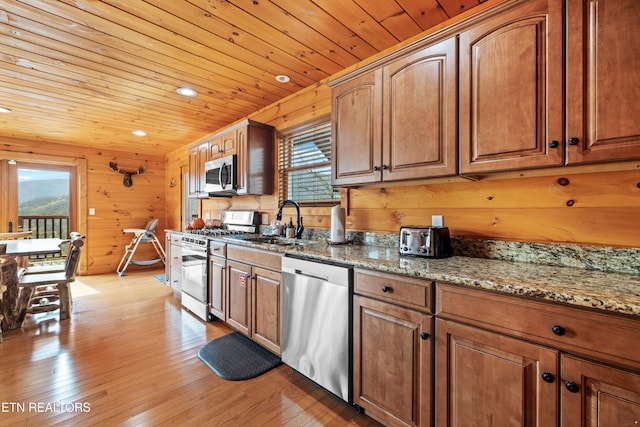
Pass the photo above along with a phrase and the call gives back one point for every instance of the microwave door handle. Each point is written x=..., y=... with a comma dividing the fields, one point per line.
x=222, y=184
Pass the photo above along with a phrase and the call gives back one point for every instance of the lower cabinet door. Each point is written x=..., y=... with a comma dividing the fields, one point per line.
x=596, y=395
x=393, y=363
x=239, y=296
x=488, y=379
x=217, y=287
x=266, y=308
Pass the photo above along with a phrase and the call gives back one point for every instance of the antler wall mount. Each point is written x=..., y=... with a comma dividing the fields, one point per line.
x=127, y=181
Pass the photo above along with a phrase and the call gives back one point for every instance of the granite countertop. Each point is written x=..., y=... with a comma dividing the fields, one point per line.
x=614, y=292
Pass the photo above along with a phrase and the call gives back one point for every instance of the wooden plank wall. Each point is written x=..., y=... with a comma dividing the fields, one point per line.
x=599, y=206
x=117, y=207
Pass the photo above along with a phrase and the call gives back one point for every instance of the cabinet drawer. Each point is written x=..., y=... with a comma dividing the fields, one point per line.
x=605, y=336
x=218, y=249
x=255, y=257
x=176, y=257
x=175, y=239
x=401, y=290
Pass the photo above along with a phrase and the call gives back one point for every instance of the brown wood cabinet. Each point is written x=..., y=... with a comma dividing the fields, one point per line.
x=255, y=150
x=523, y=101
x=356, y=122
x=265, y=309
x=198, y=156
x=487, y=379
x=398, y=121
x=223, y=144
x=252, y=142
x=253, y=295
x=597, y=395
x=603, y=71
x=217, y=280
x=239, y=296
x=393, y=349
x=536, y=362
x=420, y=121
x=511, y=91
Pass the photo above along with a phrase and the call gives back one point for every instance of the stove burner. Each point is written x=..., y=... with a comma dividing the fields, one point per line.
x=215, y=232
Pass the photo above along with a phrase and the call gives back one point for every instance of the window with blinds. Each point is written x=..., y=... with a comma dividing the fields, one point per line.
x=304, y=160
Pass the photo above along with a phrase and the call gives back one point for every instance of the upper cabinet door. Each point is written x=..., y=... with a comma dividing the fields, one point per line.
x=223, y=145
x=511, y=92
x=357, y=128
x=603, y=75
x=420, y=121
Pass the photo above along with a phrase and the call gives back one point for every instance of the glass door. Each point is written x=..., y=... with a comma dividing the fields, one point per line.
x=41, y=199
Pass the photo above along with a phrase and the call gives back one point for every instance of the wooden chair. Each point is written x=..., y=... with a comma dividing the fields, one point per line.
x=49, y=291
x=16, y=235
x=8, y=272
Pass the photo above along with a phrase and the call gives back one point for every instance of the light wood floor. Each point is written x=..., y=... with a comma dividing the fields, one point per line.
x=128, y=356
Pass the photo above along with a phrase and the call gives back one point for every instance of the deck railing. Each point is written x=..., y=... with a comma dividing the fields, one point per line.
x=45, y=226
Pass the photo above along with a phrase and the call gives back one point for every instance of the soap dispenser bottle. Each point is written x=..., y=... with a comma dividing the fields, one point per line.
x=291, y=232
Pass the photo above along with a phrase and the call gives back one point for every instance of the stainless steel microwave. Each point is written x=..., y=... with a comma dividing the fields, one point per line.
x=221, y=176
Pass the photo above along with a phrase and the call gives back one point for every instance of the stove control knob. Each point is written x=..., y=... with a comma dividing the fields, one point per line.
x=423, y=250
x=405, y=249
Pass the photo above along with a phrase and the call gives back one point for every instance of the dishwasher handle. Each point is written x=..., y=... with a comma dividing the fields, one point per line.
x=313, y=276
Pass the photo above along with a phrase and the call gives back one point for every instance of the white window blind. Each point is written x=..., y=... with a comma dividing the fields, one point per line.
x=305, y=165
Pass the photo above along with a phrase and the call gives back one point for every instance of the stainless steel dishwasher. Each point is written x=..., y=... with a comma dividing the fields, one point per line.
x=317, y=323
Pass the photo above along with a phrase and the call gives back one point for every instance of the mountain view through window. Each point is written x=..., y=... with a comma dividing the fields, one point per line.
x=43, y=201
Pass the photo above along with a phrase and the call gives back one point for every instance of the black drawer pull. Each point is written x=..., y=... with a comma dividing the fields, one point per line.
x=387, y=289
x=424, y=335
x=572, y=387
x=548, y=377
x=558, y=330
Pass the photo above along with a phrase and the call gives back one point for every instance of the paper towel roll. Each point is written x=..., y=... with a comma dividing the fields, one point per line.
x=337, y=224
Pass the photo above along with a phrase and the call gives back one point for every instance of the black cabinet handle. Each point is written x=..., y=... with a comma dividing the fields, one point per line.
x=424, y=335
x=385, y=167
x=574, y=141
x=548, y=377
x=376, y=168
x=554, y=144
x=387, y=289
x=572, y=387
x=558, y=330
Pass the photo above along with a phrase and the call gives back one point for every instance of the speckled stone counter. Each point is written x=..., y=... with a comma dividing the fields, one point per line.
x=615, y=292
x=600, y=278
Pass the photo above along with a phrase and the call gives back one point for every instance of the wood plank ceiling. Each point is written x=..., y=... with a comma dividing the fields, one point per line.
x=89, y=72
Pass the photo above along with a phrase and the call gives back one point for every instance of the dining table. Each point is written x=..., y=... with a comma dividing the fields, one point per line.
x=28, y=247
x=12, y=300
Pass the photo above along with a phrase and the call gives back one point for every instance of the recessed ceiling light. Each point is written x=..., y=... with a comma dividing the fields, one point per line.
x=283, y=79
x=4, y=110
x=186, y=91
x=139, y=132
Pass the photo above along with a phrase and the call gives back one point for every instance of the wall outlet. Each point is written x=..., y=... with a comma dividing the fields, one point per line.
x=265, y=219
x=436, y=220
x=207, y=215
x=92, y=211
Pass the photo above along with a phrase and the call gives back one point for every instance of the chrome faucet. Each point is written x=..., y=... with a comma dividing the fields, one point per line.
x=299, y=227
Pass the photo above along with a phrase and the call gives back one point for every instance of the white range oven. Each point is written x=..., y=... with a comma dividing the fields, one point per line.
x=194, y=294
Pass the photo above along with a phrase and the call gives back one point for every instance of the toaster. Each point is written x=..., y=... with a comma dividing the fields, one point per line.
x=429, y=242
